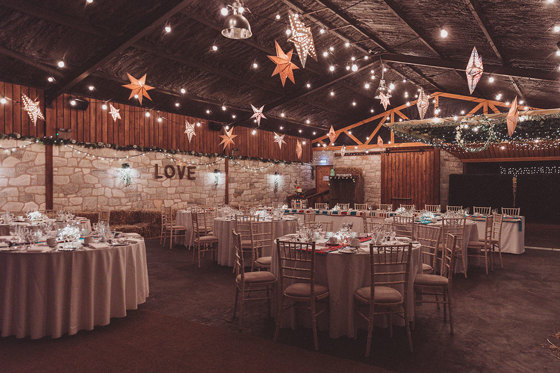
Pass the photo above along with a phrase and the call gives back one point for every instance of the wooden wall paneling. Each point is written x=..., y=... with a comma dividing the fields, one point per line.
x=9, y=107
x=16, y=112
x=3, y=109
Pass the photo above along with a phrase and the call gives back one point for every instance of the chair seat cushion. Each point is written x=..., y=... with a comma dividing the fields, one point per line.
x=260, y=276
x=303, y=290
x=383, y=294
x=426, y=268
x=208, y=238
x=476, y=243
x=264, y=261
x=431, y=280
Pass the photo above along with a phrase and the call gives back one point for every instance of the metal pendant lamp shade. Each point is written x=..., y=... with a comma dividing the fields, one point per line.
x=236, y=25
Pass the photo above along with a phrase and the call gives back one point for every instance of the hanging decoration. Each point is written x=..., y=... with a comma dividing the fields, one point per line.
x=423, y=103
x=114, y=112
x=138, y=88
x=227, y=139
x=332, y=135
x=302, y=38
x=379, y=140
x=474, y=70
x=383, y=93
x=299, y=149
x=384, y=100
x=342, y=150
x=236, y=26
x=279, y=139
x=32, y=108
x=512, y=117
x=189, y=130
x=485, y=128
x=284, y=67
x=258, y=114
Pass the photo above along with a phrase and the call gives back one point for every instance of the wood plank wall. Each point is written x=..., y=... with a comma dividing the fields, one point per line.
x=410, y=174
x=134, y=128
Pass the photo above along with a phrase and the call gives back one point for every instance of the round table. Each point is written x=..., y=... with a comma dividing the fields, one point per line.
x=45, y=292
x=224, y=226
x=83, y=223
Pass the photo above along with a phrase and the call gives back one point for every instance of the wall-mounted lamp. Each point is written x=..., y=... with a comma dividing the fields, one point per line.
x=216, y=177
x=276, y=181
x=125, y=174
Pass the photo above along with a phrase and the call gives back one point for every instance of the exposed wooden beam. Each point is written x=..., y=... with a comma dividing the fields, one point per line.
x=142, y=29
x=29, y=61
x=375, y=147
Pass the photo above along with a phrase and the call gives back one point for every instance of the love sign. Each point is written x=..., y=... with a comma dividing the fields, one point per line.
x=170, y=171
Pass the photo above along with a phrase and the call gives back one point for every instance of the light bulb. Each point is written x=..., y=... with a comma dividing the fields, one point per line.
x=233, y=116
x=281, y=128
x=347, y=44
x=282, y=114
x=61, y=64
x=278, y=17
x=307, y=121
x=331, y=48
x=208, y=111
x=255, y=65
x=300, y=131
x=198, y=124
x=50, y=79
x=288, y=32
x=73, y=102
x=332, y=93
x=331, y=68
x=167, y=29
x=253, y=132
x=91, y=88
x=224, y=11
x=3, y=101
x=214, y=48
x=104, y=107
x=303, y=142
x=159, y=120
x=354, y=67
x=491, y=79
x=443, y=33
x=366, y=85
x=325, y=54
x=183, y=91
x=224, y=108
x=147, y=114
x=354, y=103
x=177, y=104
x=322, y=31
x=308, y=85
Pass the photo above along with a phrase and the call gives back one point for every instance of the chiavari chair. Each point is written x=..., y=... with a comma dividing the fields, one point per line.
x=432, y=208
x=321, y=206
x=408, y=207
x=262, y=234
x=453, y=208
x=404, y=226
x=482, y=210
x=386, y=206
x=344, y=206
x=497, y=225
x=511, y=211
x=481, y=248
x=202, y=240
x=458, y=228
x=360, y=206
x=429, y=238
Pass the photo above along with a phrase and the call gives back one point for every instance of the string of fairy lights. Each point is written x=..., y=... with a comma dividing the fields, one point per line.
x=530, y=170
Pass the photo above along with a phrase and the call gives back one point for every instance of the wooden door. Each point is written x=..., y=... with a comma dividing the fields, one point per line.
x=322, y=178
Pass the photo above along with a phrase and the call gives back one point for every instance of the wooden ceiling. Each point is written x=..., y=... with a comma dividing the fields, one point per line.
x=102, y=41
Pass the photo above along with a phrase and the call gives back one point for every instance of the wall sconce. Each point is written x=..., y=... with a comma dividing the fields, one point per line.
x=276, y=181
x=216, y=177
x=125, y=174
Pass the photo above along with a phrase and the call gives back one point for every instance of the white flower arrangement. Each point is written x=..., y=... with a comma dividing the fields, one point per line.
x=400, y=210
x=69, y=234
x=35, y=216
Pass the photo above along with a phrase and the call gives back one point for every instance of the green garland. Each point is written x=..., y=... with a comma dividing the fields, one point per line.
x=100, y=145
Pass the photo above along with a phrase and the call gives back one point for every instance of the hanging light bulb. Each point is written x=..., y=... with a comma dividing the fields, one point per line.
x=236, y=26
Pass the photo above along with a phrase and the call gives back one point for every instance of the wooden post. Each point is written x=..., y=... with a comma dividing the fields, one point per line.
x=226, y=198
x=49, y=179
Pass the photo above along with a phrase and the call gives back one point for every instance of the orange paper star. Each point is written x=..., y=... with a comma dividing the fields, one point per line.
x=138, y=87
x=332, y=135
x=299, y=149
x=227, y=139
x=284, y=66
x=512, y=118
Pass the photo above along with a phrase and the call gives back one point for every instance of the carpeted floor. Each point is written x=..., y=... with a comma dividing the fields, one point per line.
x=501, y=325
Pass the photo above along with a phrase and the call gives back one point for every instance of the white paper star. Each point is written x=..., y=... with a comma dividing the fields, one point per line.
x=189, y=130
x=342, y=151
x=332, y=135
x=32, y=108
x=423, y=103
x=474, y=70
x=302, y=38
x=279, y=139
x=384, y=100
x=114, y=112
x=258, y=114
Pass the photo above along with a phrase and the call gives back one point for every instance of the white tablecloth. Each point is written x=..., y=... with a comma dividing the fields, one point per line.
x=344, y=274
x=184, y=218
x=53, y=293
x=83, y=223
x=337, y=220
x=513, y=238
x=223, y=228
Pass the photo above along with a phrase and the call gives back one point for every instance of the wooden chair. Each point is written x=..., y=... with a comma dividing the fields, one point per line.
x=243, y=227
x=321, y=206
x=481, y=248
x=511, y=211
x=389, y=268
x=408, y=207
x=386, y=206
x=344, y=206
x=439, y=286
x=262, y=234
x=432, y=208
x=327, y=226
x=309, y=217
x=248, y=283
x=453, y=208
x=202, y=241
x=372, y=224
x=404, y=226
x=104, y=215
x=482, y=210
x=169, y=229
x=457, y=227
x=497, y=225
x=360, y=206
x=296, y=262
x=429, y=238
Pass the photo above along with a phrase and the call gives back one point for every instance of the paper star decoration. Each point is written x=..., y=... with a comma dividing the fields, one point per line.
x=423, y=103
x=258, y=114
x=299, y=149
x=512, y=118
x=379, y=140
x=279, y=139
x=114, y=112
x=474, y=70
x=284, y=67
x=138, y=87
x=332, y=135
x=32, y=108
x=384, y=100
x=227, y=139
x=302, y=38
x=189, y=130
x=342, y=151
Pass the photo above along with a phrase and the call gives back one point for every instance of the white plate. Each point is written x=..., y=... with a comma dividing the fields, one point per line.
x=347, y=250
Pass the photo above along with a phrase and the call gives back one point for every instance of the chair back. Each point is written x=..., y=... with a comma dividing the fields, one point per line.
x=455, y=226
x=344, y=206
x=360, y=206
x=385, y=206
x=104, y=215
x=239, y=259
x=482, y=210
x=511, y=211
x=408, y=207
x=429, y=238
x=200, y=223
x=488, y=230
x=372, y=224
x=321, y=206
x=497, y=223
x=309, y=217
x=262, y=234
x=389, y=266
x=404, y=226
x=432, y=208
x=296, y=262
x=448, y=256
x=453, y=208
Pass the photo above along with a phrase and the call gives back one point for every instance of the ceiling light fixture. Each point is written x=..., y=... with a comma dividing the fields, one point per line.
x=236, y=26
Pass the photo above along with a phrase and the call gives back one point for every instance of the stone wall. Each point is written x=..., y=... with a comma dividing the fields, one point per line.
x=370, y=164
x=449, y=164
x=22, y=176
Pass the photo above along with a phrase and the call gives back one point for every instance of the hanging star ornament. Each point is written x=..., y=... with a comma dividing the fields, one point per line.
x=302, y=38
x=299, y=149
x=474, y=70
x=227, y=139
x=114, y=112
x=138, y=87
x=423, y=103
x=32, y=108
x=332, y=135
x=379, y=140
x=284, y=67
x=342, y=151
x=512, y=118
x=384, y=100
x=279, y=139
x=189, y=130
x=258, y=114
